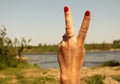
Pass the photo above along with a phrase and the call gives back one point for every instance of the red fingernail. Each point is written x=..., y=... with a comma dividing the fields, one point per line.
x=87, y=13
x=66, y=8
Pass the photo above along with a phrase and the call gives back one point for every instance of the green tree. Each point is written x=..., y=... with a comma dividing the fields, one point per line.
x=13, y=48
x=6, y=47
x=116, y=44
x=21, y=45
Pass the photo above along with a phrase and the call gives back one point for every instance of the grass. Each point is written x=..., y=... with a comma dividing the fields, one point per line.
x=13, y=63
x=24, y=73
x=117, y=68
x=95, y=79
x=117, y=78
x=22, y=78
x=36, y=75
x=5, y=80
x=38, y=80
x=28, y=75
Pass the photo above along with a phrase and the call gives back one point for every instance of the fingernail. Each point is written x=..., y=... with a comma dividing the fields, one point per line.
x=66, y=8
x=87, y=13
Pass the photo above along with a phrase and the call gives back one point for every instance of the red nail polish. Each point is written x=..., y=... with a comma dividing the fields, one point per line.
x=87, y=13
x=66, y=9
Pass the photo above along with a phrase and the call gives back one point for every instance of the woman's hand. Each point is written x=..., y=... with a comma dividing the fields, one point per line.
x=71, y=49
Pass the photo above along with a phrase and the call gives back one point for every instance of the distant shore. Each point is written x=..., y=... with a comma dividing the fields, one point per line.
x=97, y=50
x=102, y=50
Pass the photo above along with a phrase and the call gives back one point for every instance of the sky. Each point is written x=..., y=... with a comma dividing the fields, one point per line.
x=43, y=20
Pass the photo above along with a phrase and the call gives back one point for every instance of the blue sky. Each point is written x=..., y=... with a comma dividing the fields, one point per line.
x=43, y=20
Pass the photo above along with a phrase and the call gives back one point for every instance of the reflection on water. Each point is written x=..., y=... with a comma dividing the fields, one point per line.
x=91, y=59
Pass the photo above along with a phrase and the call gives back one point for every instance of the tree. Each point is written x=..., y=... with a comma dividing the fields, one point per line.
x=6, y=47
x=116, y=44
x=20, y=45
x=13, y=48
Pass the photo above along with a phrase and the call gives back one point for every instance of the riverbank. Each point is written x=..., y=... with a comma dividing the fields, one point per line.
x=97, y=50
x=88, y=48
x=36, y=75
x=109, y=75
x=33, y=51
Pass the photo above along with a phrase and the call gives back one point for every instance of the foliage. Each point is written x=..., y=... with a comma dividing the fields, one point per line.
x=116, y=44
x=7, y=46
x=111, y=63
x=13, y=63
x=42, y=49
x=117, y=78
x=95, y=46
x=118, y=68
x=92, y=46
x=96, y=79
x=6, y=49
x=103, y=46
x=31, y=75
x=34, y=80
x=21, y=45
x=9, y=49
x=5, y=80
x=39, y=80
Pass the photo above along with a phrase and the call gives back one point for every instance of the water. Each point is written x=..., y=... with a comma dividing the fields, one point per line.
x=91, y=59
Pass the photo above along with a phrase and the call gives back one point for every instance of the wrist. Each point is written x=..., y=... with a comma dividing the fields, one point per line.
x=70, y=77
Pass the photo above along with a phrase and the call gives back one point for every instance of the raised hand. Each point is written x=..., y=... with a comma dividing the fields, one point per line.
x=71, y=49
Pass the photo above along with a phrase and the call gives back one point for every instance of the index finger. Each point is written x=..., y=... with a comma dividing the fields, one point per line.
x=68, y=21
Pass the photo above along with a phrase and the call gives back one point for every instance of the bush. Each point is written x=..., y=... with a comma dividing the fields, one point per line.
x=117, y=78
x=96, y=79
x=8, y=51
x=13, y=63
x=111, y=63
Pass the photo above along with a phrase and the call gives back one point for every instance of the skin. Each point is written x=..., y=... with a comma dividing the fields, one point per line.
x=71, y=51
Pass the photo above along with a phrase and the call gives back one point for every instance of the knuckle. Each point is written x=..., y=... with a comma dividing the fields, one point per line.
x=84, y=29
x=61, y=45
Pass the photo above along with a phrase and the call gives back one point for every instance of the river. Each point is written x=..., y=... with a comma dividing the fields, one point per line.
x=91, y=58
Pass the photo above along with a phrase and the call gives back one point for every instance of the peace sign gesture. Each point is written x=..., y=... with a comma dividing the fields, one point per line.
x=71, y=49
